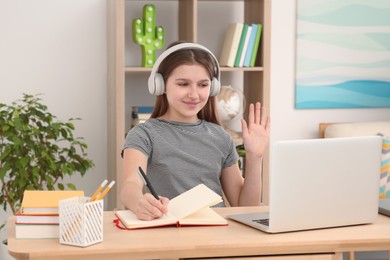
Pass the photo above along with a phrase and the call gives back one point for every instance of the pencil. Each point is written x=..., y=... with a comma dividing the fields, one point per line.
x=107, y=189
x=98, y=190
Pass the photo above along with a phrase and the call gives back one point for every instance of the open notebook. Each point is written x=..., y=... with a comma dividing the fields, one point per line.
x=189, y=208
x=320, y=183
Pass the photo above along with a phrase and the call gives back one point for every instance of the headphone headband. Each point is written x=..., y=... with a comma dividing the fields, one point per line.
x=155, y=78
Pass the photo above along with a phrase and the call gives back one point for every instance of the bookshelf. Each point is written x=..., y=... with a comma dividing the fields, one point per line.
x=255, y=80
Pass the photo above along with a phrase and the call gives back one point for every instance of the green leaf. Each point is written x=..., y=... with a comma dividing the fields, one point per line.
x=61, y=186
x=64, y=133
x=15, y=114
x=24, y=161
x=5, y=127
x=35, y=172
x=71, y=186
x=4, y=170
x=5, y=152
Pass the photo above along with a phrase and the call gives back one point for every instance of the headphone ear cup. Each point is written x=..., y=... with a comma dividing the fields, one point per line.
x=158, y=87
x=215, y=87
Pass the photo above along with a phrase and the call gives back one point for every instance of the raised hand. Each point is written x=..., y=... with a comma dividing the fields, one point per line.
x=255, y=133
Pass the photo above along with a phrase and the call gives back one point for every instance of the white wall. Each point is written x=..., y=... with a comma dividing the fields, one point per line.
x=287, y=122
x=58, y=48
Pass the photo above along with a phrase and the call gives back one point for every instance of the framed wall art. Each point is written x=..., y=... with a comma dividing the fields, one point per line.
x=342, y=54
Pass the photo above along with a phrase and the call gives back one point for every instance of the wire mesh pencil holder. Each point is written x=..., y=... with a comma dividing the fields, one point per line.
x=81, y=222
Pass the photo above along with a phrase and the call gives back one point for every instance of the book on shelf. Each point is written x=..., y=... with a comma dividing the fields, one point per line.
x=191, y=208
x=249, y=51
x=139, y=114
x=144, y=113
x=43, y=202
x=230, y=44
x=134, y=117
x=144, y=116
x=240, y=46
x=35, y=231
x=145, y=109
x=245, y=47
x=256, y=45
x=36, y=219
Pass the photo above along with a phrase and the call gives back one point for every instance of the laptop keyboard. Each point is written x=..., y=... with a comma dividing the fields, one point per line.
x=263, y=221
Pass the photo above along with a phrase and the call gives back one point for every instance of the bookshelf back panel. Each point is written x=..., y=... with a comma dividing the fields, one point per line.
x=212, y=26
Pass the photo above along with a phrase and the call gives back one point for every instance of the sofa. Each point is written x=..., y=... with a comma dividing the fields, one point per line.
x=328, y=130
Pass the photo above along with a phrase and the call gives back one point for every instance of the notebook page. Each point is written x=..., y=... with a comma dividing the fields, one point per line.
x=193, y=200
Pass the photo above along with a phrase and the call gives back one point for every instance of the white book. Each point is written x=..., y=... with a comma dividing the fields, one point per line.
x=37, y=231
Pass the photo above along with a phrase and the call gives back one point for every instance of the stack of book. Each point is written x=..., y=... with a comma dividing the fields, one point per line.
x=39, y=213
x=241, y=45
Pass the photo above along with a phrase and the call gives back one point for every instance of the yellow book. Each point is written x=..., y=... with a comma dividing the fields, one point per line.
x=190, y=208
x=42, y=202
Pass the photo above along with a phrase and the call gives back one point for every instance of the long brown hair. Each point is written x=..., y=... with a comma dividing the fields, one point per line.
x=187, y=56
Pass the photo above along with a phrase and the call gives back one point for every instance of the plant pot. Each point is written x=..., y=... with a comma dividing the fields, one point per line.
x=4, y=255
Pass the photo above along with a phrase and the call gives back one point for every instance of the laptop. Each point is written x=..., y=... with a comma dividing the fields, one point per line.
x=320, y=183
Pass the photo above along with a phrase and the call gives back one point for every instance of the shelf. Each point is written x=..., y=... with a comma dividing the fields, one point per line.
x=121, y=85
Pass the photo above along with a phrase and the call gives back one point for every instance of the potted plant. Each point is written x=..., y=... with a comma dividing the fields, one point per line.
x=36, y=151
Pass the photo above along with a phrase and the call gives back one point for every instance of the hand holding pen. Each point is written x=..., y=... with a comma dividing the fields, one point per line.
x=151, y=206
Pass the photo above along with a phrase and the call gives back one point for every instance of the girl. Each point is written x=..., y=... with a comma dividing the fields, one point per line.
x=183, y=144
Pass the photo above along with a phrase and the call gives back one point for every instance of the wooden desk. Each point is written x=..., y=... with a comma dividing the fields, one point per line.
x=232, y=240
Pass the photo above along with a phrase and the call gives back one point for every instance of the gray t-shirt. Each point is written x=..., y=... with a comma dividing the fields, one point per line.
x=183, y=155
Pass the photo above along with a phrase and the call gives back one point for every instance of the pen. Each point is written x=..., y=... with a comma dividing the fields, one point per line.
x=98, y=190
x=101, y=196
x=147, y=182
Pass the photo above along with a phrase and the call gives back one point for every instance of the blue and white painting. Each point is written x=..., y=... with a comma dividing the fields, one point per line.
x=343, y=54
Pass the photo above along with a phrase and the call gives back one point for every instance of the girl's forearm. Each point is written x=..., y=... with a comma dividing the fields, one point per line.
x=130, y=194
x=252, y=188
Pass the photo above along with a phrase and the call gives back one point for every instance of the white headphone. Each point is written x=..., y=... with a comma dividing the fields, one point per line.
x=156, y=81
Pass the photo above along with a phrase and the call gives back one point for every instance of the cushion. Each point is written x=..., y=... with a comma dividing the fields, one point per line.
x=384, y=184
x=358, y=129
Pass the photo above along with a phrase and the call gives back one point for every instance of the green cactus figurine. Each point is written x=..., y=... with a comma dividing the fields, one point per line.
x=149, y=36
